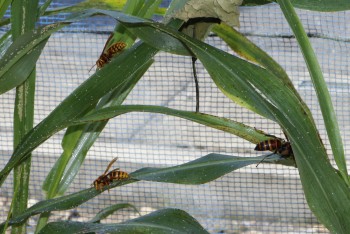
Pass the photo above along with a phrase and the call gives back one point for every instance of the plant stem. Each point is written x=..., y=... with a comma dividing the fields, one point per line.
x=23, y=18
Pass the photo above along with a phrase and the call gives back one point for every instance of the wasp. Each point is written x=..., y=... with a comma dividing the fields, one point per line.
x=107, y=54
x=107, y=178
x=275, y=145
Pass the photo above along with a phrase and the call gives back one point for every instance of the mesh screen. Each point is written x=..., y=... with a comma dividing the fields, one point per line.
x=267, y=199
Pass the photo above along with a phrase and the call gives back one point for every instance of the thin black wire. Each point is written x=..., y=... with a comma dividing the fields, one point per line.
x=196, y=82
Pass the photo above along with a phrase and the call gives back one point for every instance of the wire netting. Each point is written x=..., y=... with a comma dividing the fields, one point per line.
x=267, y=199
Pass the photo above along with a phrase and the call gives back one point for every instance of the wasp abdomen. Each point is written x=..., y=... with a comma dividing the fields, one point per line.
x=115, y=48
x=117, y=175
x=105, y=57
x=107, y=178
x=271, y=145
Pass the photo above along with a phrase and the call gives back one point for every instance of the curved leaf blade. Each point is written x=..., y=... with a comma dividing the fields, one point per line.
x=20, y=58
x=199, y=171
x=323, y=95
x=162, y=221
x=328, y=197
x=202, y=170
x=19, y=61
x=102, y=214
x=82, y=99
x=248, y=50
x=327, y=194
x=76, y=144
x=239, y=129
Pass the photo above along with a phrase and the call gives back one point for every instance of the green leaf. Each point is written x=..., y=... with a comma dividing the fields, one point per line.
x=202, y=170
x=5, y=42
x=23, y=19
x=147, y=30
x=323, y=95
x=162, y=221
x=44, y=7
x=322, y=5
x=248, y=50
x=248, y=133
x=81, y=100
x=4, y=5
x=68, y=144
x=77, y=142
x=21, y=51
x=199, y=171
x=110, y=210
x=313, y=5
x=141, y=28
x=327, y=194
x=20, y=58
x=255, y=2
x=86, y=96
x=19, y=72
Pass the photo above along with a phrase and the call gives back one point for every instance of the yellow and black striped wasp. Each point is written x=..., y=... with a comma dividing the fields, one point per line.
x=275, y=145
x=108, y=53
x=107, y=178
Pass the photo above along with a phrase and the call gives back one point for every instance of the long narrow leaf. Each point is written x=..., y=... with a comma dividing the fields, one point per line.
x=20, y=71
x=110, y=210
x=20, y=58
x=85, y=96
x=75, y=149
x=322, y=5
x=77, y=144
x=255, y=2
x=163, y=221
x=23, y=19
x=204, y=169
x=199, y=171
x=327, y=194
x=22, y=46
x=4, y=4
x=324, y=98
x=248, y=133
x=5, y=42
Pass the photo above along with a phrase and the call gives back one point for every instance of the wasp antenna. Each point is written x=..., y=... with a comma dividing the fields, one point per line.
x=92, y=68
x=110, y=164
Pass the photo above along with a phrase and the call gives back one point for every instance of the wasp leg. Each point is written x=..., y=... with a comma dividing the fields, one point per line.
x=264, y=159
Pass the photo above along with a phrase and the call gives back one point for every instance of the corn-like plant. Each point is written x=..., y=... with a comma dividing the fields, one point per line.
x=254, y=81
